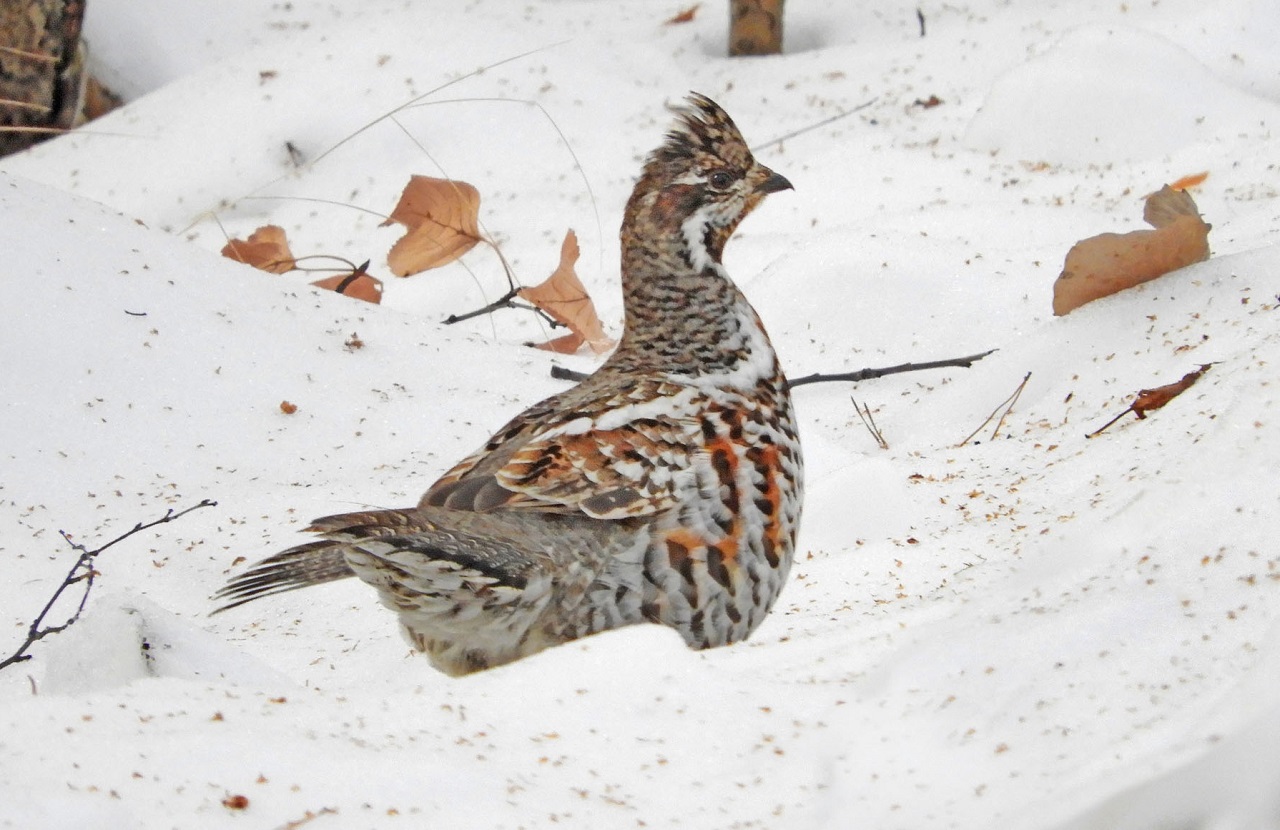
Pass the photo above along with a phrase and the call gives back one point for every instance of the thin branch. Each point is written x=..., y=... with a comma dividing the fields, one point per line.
x=1108, y=424
x=824, y=122
x=864, y=412
x=870, y=374
x=1007, y=405
x=317, y=200
x=561, y=373
x=505, y=301
x=82, y=572
x=430, y=92
x=1017, y=393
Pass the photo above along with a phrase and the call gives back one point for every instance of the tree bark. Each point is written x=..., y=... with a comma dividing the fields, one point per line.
x=755, y=27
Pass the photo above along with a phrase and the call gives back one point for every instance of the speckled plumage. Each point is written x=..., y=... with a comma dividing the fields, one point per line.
x=666, y=487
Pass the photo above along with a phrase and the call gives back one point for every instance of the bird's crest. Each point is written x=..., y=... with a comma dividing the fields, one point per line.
x=703, y=133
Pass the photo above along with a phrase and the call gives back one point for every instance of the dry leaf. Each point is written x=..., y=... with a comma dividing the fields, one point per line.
x=236, y=802
x=685, y=16
x=1190, y=181
x=564, y=344
x=563, y=297
x=265, y=249
x=1102, y=265
x=1149, y=400
x=357, y=284
x=443, y=218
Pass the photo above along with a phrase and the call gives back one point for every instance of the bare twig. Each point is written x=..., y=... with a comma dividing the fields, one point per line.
x=82, y=572
x=871, y=374
x=561, y=373
x=419, y=98
x=824, y=122
x=1006, y=405
x=864, y=412
x=507, y=300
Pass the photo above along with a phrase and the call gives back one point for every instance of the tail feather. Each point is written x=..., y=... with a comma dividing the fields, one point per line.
x=404, y=548
x=311, y=564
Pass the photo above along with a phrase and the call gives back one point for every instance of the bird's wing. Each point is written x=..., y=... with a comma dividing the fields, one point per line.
x=625, y=459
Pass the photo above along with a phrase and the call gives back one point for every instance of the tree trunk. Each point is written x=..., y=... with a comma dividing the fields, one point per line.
x=755, y=27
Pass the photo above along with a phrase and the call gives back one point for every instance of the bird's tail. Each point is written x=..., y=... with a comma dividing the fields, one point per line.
x=314, y=563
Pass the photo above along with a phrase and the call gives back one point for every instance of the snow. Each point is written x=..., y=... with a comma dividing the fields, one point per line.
x=1037, y=631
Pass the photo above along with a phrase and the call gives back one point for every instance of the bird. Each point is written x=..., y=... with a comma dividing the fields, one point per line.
x=666, y=487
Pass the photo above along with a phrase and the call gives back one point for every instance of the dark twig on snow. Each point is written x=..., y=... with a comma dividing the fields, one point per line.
x=561, y=373
x=507, y=300
x=871, y=374
x=83, y=573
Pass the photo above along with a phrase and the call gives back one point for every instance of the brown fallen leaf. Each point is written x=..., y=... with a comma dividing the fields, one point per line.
x=1149, y=400
x=357, y=284
x=1102, y=265
x=266, y=249
x=685, y=16
x=443, y=221
x=1189, y=181
x=564, y=344
x=563, y=297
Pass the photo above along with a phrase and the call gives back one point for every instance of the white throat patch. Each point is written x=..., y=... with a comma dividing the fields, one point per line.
x=694, y=229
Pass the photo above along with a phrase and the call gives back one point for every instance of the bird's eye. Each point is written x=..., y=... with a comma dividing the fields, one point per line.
x=720, y=179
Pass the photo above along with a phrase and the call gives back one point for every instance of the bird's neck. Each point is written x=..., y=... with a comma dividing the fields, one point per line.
x=683, y=315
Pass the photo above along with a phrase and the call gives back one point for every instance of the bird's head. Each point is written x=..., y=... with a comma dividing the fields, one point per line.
x=699, y=184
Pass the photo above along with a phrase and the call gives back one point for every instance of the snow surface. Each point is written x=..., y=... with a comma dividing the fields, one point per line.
x=1038, y=631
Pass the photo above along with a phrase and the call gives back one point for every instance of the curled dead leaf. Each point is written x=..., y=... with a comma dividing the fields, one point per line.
x=266, y=249
x=1105, y=264
x=443, y=221
x=1149, y=400
x=563, y=296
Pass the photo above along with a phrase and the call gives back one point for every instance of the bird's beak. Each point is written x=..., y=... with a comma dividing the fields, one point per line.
x=773, y=182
